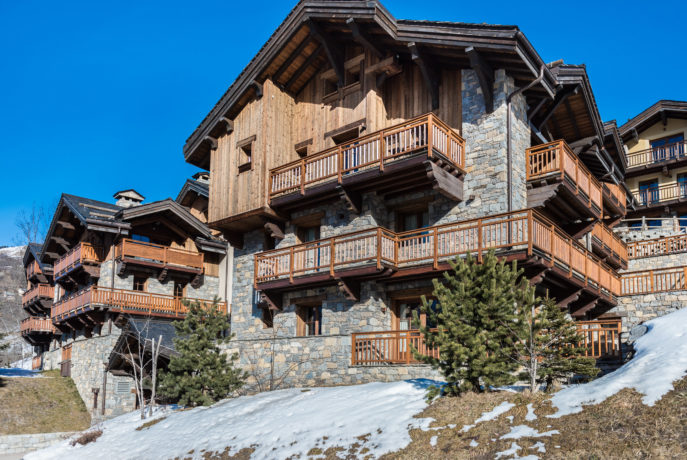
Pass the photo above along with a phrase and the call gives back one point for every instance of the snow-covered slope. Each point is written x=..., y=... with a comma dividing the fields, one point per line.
x=660, y=359
x=276, y=424
x=15, y=252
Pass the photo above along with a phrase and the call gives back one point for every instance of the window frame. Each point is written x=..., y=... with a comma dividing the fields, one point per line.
x=245, y=153
x=303, y=323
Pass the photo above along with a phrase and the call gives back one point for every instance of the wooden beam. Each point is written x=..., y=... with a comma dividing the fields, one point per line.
x=352, y=200
x=211, y=141
x=581, y=311
x=571, y=115
x=485, y=75
x=428, y=74
x=289, y=60
x=274, y=230
x=228, y=124
x=65, y=225
x=539, y=277
x=273, y=300
x=563, y=304
x=349, y=288
x=362, y=39
x=257, y=87
x=561, y=96
x=314, y=55
x=332, y=50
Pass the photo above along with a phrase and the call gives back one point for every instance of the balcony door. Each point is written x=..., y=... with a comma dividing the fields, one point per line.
x=668, y=148
x=648, y=192
x=311, y=258
x=403, y=315
x=682, y=185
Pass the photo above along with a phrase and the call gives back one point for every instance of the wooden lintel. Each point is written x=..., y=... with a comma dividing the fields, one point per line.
x=349, y=288
x=352, y=200
x=273, y=230
x=362, y=39
x=429, y=75
x=485, y=75
x=273, y=300
x=331, y=49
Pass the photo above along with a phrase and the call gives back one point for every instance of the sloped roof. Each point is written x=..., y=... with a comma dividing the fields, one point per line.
x=193, y=186
x=137, y=329
x=167, y=206
x=32, y=250
x=662, y=109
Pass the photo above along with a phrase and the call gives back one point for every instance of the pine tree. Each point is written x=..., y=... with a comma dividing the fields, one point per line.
x=549, y=345
x=478, y=305
x=201, y=374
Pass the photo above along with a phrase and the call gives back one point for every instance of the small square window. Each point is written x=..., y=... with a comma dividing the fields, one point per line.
x=245, y=152
x=140, y=283
x=179, y=289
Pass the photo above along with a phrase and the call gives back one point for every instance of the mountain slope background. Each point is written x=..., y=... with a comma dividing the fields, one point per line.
x=12, y=285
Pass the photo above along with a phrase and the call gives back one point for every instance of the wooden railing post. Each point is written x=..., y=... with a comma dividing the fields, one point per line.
x=340, y=162
x=379, y=248
x=530, y=231
x=332, y=253
x=651, y=279
x=291, y=265
x=382, y=150
x=436, y=249
x=353, y=360
x=430, y=128
x=303, y=176
x=479, y=240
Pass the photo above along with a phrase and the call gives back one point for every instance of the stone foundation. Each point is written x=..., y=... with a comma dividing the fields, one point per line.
x=24, y=443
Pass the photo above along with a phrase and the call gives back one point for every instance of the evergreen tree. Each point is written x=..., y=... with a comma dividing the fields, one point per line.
x=201, y=374
x=474, y=321
x=549, y=345
x=3, y=345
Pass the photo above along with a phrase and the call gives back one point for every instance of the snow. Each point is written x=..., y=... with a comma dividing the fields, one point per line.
x=524, y=431
x=491, y=415
x=278, y=424
x=514, y=448
x=539, y=446
x=474, y=443
x=530, y=413
x=16, y=252
x=433, y=441
x=26, y=363
x=660, y=359
x=13, y=372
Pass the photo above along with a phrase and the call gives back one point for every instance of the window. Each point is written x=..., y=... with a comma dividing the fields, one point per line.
x=245, y=152
x=404, y=312
x=140, y=283
x=308, y=234
x=682, y=184
x=142, y=238
x=179, y=289
x=413, y=220
x=648, y=192
x=267, y=317
x=668, y=147
x=682, y=220
x=309, y=320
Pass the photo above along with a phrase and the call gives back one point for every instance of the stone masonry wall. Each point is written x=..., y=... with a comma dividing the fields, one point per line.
x=636, y=309
x=23, y=443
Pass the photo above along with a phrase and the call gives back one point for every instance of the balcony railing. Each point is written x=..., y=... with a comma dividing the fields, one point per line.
x=526, y=230
x=82, y=253
x=661, y=194
x=614, y=193
x=158, y=255
x=651, y=281
x=32, y=270
x=34, y=324
x=611, y=242
x=601, y=338
x=657, y=246
x=374, y=151
x=657, y=155
x=557, y=160
x=40, y=291
x=124, y=301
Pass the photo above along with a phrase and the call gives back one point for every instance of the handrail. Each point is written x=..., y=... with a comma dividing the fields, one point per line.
x=652, y=281
x=612, y=241
x=657, y=155
x=157, y=253
x=615, y=192
x=525, y=230
x=374, y=150
x=661, y=194
x=40, y=290
x=82, y=252
x=657, y=246
x=33, y=269
x=126, y=301
x=36, y=324
x=557, y=158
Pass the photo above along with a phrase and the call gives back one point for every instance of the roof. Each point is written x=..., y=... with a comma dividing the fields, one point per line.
x=137, y=329
x=170, y=208
x=129, y=193
x=506, y=45
x=661, y=110
x=193, y=186
x=614, y=143
x=32, y=250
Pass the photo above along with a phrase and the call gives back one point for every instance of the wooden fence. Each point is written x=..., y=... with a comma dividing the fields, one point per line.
x=37, y=292
x=375, y=150
x=125, y=301
x=158, y=254
x=557, y=159
x=657, y=246
x=80, y=254
x=657, y=155
x=651, y=281
x=601, y=338
x=526, y=231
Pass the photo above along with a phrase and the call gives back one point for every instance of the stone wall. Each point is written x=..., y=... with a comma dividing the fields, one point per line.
x=636, y=309
x=24, y=443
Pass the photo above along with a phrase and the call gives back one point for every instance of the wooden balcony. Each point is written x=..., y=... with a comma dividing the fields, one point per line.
x=653, y=281
x=656, y=158
x=100, y=299
x=663, y=195
x=132, y=252
x=609, y=246
x=421, y=151
x=657, y=246
x=377, y=252
x=33, y=270
x=560, y=184
x=614, y=201
x=37, y=329
x=83, y=255
x=601, y=338
x=38, y=299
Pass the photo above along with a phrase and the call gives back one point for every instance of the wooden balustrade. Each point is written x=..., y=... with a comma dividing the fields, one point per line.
x=615, y=193
x=651, y=281
x=158, y=254
x=657, y=155
x=33, y=269
x=611, y=241
x=557, y=159
x=601, y=338
x=125, y=301
x=526, y=230
x=388, y=347
x=661, y=194
x=40, y=291
x=81, y=253
x=375, y=150
x=657, y=246
x=36, y=324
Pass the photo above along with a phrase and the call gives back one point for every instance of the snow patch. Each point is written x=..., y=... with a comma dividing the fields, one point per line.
x=660, y=359
x=539, y=446
x=16, y=252
x=530, y=413
x=474, y=443
x=288, y=422
x=491, y=415
x=13, y=372
x=524, y=431
x=513, y=450
x=433, y=441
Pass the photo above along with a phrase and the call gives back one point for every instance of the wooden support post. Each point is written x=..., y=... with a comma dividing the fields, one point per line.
x=428, y=73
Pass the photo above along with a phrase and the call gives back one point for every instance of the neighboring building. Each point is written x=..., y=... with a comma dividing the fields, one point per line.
x=104, y=265
x=357, y=153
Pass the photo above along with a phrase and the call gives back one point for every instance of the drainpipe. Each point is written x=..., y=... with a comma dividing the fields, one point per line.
x=509, y=97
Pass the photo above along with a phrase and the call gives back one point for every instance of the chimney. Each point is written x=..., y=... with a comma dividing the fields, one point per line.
x=128, y=198
x=202, y=176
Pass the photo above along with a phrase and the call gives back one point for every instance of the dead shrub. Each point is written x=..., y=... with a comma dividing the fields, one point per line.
x=87, y=437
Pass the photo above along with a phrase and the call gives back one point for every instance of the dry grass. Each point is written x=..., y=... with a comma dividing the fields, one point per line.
x=150, y=423
x=87, y=437
x=41, y=405
x=619, y=428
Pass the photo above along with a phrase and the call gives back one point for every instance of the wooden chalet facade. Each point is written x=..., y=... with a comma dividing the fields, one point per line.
x=357, y=153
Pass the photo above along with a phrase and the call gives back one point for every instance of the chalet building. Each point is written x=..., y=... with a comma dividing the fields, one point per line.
x=105, y=265
x=357, y=153
x=655, y=229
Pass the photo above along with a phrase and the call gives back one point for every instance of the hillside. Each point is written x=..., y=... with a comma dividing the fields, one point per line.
x=637, y=411
x=12, y=285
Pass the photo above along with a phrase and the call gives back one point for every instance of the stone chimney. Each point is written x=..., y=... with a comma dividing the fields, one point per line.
x=128, y=198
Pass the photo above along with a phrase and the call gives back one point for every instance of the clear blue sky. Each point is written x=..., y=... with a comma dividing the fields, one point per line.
x=100, y=96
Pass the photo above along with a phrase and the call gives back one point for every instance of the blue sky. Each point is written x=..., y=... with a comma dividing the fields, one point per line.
x=100, y=96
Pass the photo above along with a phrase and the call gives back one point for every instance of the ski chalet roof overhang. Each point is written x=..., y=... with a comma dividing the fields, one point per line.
x=660, y=111
x=308, y=40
